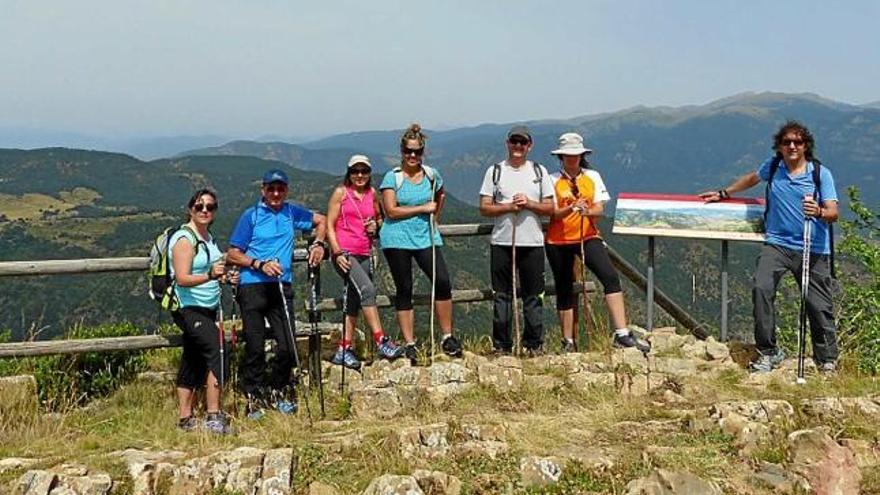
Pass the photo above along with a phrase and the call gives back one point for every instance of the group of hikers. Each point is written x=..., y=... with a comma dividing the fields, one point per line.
x=402, y=216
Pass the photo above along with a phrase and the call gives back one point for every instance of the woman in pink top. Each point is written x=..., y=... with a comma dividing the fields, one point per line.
x=353, y=218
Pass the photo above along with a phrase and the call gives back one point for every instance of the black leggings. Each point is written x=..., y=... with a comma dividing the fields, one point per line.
x=400, y=264
x=561, y=258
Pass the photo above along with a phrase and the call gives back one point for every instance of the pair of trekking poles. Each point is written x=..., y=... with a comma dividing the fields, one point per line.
x=586, y=316
x=433, y=300
x=372, y=264
x=805, y=286
x=290, y=343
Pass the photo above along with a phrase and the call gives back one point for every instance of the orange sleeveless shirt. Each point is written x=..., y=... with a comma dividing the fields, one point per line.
x=571, y=229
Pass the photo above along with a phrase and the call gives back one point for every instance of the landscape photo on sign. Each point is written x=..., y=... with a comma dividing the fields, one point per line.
x=677, y=215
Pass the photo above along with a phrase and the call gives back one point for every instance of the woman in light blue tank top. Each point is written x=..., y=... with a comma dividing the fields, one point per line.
x=412, y=197
x=197, y=268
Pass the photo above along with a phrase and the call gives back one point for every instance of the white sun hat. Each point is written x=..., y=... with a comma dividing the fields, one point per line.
x=571, y=143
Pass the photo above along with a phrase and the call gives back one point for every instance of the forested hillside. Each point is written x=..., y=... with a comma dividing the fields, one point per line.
x=60, y=203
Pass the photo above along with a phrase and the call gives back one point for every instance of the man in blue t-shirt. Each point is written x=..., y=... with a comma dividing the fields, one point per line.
x=262, y=245
x=792, y=198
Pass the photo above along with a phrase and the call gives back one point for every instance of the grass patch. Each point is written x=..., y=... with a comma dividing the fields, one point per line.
x=33, y=206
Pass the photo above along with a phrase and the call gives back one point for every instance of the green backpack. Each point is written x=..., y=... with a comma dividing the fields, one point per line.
x=161, y=285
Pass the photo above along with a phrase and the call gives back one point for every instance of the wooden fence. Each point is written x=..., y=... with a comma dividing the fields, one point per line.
x=143, y=342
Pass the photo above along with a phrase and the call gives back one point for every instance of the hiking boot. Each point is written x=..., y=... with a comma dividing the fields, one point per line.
x=255, y=412
x=533, y=352
x=567, y=346
x=777, y=358
x=451, y=346
x=345, y=357
x=827, y=368
x=255, y=408
x=286, y=407
x=412, y=353
x=761, y=365
x=388, y=349
x=216, y=423
x=628, y=340
x=501, y=352
x=189, y=423
x=767, y=362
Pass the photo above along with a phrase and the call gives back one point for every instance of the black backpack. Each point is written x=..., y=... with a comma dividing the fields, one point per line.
x=539, y=178
x=161, y=286
x=817, y=181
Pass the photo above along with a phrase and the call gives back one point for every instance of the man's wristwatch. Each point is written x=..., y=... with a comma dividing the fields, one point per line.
x=723, y=194
x=317, y=243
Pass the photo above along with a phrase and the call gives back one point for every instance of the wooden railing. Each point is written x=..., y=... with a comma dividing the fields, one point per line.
x=142, y=342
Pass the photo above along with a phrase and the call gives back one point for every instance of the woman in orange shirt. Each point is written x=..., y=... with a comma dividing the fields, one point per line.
x=580, y=199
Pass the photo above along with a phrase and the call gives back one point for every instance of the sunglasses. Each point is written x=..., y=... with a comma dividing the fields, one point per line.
x=359, y=171
x=208, y=207
x=412, y=151
x=796, y=142
x=518, y=141
x=273, y=189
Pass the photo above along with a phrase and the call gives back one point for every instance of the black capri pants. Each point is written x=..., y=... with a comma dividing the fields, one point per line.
x=561, y=258
x=201, y=346
x=400, y=264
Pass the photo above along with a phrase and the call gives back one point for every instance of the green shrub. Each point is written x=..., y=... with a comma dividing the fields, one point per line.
x=69, y=380
x=859, y=310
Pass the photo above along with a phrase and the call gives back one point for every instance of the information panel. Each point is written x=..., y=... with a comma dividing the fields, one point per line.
x=679, y=215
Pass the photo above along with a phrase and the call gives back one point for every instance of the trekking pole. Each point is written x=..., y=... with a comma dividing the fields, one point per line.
x=517, y=336
x=344, y=325
x=433, y=282
x=588, y=316
x=221, y=336
x=292, y=341
x=315, y=335
x=374, y=267
x=805, y=286
x=233, y=370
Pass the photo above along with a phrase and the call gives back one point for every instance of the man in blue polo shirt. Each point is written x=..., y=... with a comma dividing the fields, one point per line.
x=792, y=198
x=262, y=245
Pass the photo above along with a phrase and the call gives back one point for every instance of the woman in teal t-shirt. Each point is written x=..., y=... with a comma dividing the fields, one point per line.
x=412, y=195
x=197, y=268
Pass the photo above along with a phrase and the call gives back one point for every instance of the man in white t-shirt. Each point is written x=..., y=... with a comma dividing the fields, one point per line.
x=517, y=190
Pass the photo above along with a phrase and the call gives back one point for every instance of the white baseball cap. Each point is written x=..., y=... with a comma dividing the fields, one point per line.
x=355, y=159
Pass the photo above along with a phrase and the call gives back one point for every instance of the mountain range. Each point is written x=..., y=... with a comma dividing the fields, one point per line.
x=641, y=149
x=71, y=203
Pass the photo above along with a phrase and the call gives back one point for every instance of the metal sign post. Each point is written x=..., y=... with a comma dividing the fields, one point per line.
x=650, y=291
x=724, y=298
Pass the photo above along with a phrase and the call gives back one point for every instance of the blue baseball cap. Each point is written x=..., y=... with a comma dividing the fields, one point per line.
x=275, y=175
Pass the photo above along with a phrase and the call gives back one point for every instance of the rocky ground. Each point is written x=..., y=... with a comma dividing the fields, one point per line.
x=685, y=420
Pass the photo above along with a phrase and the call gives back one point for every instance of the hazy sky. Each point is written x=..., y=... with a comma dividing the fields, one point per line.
x=252, y=67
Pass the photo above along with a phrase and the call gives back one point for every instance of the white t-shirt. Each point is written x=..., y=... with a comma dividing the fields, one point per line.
x=515, y=180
